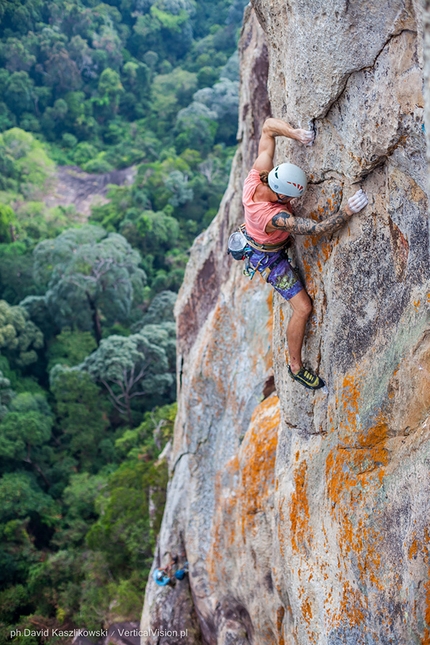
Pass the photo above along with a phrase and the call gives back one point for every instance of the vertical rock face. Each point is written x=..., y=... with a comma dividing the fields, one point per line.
x=305, y=517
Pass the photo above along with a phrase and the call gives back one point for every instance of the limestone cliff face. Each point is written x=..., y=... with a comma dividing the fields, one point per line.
x=305, y=517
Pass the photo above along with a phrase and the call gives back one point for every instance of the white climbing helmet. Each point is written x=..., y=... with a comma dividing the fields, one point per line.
x=287, y=179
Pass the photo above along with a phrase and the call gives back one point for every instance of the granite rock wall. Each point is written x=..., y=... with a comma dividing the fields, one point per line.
x=305, y=516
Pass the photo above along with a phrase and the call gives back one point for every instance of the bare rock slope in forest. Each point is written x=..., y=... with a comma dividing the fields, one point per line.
x=74, y=187
x=305, y=516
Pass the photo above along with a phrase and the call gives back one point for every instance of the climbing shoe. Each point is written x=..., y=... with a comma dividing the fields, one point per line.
x=307, y=378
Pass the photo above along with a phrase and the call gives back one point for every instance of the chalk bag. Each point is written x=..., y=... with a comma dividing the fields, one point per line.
x=238, y=245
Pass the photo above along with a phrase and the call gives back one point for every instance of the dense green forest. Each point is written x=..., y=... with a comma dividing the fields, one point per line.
x=87, y=334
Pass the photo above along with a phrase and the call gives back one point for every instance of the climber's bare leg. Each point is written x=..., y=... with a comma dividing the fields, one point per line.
x=302, y=307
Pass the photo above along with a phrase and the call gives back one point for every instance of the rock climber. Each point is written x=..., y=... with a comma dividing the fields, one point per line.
x=182, y=572
x=163, y=577
x=269, y=221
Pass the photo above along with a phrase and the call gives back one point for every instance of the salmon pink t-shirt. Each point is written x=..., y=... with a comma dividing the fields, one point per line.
x=259, y=214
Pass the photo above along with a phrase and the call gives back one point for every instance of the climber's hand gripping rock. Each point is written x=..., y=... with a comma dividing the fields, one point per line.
x=357, y=202
x=306, y=137
x=273, y=128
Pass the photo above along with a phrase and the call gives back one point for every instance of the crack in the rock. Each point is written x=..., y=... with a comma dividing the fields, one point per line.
x=183, y=454
x=369, y=447
x=368, y=169
x=371, y=469
x=302, y=432
x=321, y=326
x=381, y=160
x=190, y=452
x=317, y=182
x=362, y=69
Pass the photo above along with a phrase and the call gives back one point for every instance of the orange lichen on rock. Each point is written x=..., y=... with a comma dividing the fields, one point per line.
x=279, y=619
x=309, y=277
x=224, y=532
x=426, y=636
x=353, y=605
x=257, y=460
x=299, y=509
x=326, y=249
x=356, y=468
x=413, y=549
x=350, y=398
x=245, y=482
x=307, y=610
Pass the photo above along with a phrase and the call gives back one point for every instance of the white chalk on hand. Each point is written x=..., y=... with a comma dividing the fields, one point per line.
x=357, y=202
x=310, y=137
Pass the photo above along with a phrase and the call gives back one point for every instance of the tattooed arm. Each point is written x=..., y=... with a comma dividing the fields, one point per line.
x=301, y=226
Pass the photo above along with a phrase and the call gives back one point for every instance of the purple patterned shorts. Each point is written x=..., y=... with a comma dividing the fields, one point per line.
x=282, y=277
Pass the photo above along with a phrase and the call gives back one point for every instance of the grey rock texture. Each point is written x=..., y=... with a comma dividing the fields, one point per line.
x=305, y=516
x=72, y=186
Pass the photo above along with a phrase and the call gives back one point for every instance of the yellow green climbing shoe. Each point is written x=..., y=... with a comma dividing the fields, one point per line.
x=307, y=378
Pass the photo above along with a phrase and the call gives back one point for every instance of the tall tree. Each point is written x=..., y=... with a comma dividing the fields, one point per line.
x=140, y=365
x=110, y=90
x=19, y=336
x=24, y=164
x=90, y=276
x=81, y=416
x=6, y=395
x=25, y=432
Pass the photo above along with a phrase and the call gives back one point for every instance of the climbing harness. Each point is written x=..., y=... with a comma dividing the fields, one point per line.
x=241, y=247
x=267, y=248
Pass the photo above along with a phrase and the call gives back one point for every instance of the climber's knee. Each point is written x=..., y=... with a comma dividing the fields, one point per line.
x=301, y=304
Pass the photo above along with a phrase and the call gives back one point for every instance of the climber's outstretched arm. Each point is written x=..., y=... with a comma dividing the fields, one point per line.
x=302, y=226
x=273, y=128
